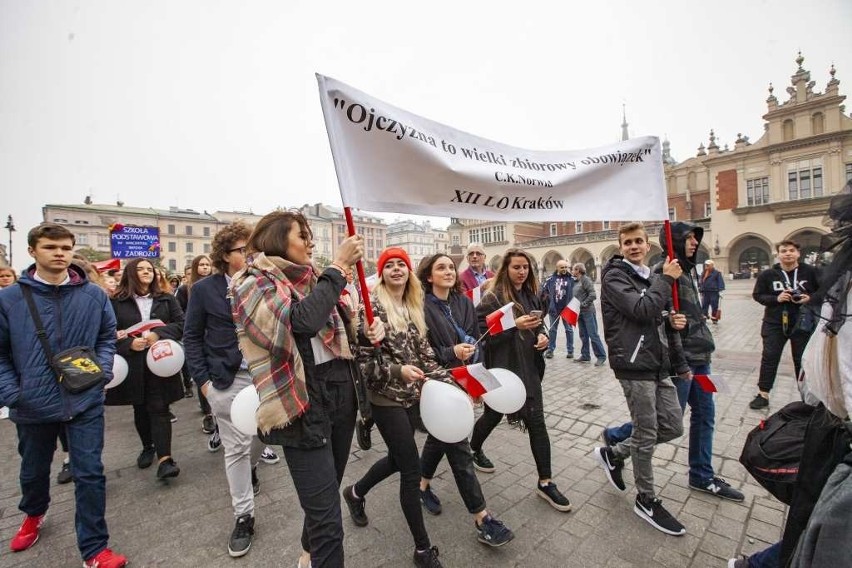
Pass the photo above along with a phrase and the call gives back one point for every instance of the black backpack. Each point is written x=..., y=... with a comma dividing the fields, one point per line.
x=773, y=450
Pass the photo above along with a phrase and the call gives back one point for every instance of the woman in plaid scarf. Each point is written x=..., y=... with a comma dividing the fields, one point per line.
x=295, y=342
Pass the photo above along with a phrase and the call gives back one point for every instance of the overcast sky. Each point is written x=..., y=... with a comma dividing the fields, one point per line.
x=213, y=105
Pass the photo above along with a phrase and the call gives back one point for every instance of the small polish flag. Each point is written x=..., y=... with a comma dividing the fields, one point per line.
x=500, y=320
x=144, y=326
x=475, y=379
x=712, y=383
x=571, y=312
x=475, y=295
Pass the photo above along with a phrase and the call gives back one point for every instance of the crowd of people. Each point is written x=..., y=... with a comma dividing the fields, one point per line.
x=258, y=311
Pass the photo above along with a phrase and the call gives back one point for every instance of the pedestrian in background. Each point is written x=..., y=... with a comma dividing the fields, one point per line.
x=711, y=284
x=587, y=322
x=556, y=292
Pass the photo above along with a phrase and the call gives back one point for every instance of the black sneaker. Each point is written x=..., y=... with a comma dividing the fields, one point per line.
x=208, y=424
x=758, y=402
x=64, y=476
x=430, y=501
x=428, y=558
x=188, y=393
x=553, y=496
x=570, y=355
x=214, y=443
x=652, y=510
x=612, y=466
x=356, y=507
x=482, y=463
x=493, y=532
x=269, y=456
x=606, y=439
x=242, y=536
x=548, y=354
x=146, y=458
x=581, y=360
x=168, y=469
x=600, y=362
x=720, y=488
x=741, y=562
x=255, y=482
x=362, y=430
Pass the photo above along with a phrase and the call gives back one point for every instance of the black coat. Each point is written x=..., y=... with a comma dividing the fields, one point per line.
x=132, y=390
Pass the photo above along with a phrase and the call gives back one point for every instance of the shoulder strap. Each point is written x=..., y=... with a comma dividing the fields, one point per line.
x=42, y=334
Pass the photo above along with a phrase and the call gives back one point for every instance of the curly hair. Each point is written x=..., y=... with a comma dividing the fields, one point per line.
x=224, y=241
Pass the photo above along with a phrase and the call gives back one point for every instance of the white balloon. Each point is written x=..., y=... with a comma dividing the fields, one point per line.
x=447, y=412
x=165, y=358
x=119, y=371
x=510, y=397
x=244, y=410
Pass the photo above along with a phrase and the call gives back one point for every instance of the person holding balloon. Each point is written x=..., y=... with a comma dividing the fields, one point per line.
x=296, y=347
x=453, y=329
x=518, y=349
x=395, y=372
x=152, y=382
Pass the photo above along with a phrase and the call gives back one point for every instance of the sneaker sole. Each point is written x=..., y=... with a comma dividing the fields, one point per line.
x=641, y=514
x=430, y=511
x=605, y=466
x=719, y=495
x=557, y=506
x=493, y=544
x=28, y=547
x=270, y=462
x=484, y=469
x=238, y=553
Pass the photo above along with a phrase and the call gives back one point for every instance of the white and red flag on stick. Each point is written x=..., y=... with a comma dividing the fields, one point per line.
x=143, y=326
x=475, y=295
x=500, y=320
x=475, y=379
x=712, y=383
x=571, y=312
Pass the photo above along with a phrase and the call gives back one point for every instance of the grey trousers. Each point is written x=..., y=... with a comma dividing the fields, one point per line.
x=241, y=452
x=657, y=418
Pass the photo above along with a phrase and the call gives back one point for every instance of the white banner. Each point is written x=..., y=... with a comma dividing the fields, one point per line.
x=388, y=159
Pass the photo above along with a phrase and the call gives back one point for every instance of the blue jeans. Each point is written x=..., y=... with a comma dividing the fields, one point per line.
x=554, y=331
x=702, y=422
x=36, y=445
x=588, y=325
x=766, y=558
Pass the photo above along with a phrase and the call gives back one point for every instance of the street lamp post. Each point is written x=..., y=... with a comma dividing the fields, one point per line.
x=10, y=225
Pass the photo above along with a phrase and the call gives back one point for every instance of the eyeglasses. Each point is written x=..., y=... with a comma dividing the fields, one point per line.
x=474, y=253
x=241, y=250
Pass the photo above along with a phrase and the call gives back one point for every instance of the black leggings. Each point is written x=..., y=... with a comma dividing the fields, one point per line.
x=395, y=426
x=154, y=426
x=461, y=463
x=536, y=428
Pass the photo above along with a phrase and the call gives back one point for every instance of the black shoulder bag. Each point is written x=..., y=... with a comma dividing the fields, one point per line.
x=76, y=369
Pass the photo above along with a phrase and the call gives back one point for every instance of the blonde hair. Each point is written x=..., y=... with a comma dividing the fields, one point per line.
x=412, y=299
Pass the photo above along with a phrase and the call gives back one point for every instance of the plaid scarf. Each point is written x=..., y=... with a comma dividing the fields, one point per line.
x=262, y=296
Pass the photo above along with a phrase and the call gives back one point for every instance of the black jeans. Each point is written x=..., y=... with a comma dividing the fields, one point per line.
x=342, y=410
x=536, y=428
x=154, y=426
x=395, y=426
x=315, y=480
x=774, y=340
x=461, y=463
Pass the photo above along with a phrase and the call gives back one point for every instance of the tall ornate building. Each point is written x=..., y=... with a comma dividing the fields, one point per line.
x=746, y=198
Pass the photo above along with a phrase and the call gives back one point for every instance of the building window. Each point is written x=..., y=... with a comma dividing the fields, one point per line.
x=473, y=236
x=61, y=220
x=172, y=246
x=499, y=234
x=206, y=248
x=206, y=231
x=757, y=191
x=789, y=130
x=708, y=210
x=170, y=229
x=83, y=239
x=805, y=184
x=848, y=172
x=553, y=231
x=817, y=123
x=486, y=235
x=81, y=222
x=189, y=230
x=103, y=240
x=188, y=247
x=172, y=265
x=672, y=214
x=606, y=225
x=578, y=227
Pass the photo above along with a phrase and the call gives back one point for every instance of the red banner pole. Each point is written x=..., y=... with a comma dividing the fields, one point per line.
x=671, y=255
x=362, y=279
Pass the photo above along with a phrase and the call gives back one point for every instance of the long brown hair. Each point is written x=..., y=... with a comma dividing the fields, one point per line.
x=271, y=235
x=502, y=286
x=130, y=283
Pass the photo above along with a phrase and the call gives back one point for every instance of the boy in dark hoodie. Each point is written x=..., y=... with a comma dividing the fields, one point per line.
x=698, y=345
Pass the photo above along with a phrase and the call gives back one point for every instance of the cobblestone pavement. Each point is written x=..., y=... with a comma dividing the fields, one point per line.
x=188, y=521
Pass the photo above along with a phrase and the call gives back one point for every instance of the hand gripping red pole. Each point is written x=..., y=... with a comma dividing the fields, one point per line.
x=671, y=255
x=362, y=279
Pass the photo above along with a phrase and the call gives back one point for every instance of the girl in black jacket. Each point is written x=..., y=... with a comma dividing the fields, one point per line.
x=137, y=299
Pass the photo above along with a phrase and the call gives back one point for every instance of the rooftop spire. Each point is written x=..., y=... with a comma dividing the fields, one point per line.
x=624, y=134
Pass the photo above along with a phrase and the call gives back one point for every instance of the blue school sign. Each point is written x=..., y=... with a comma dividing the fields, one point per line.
x=134, y=242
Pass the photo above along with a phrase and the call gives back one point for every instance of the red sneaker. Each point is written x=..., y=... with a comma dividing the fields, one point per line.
x=106, y=558
x=28, y=533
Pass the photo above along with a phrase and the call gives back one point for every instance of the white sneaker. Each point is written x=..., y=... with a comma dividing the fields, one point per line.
x=4, y=412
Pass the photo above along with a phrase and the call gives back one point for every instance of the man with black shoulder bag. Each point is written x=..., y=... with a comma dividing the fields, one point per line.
x=57, y=342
